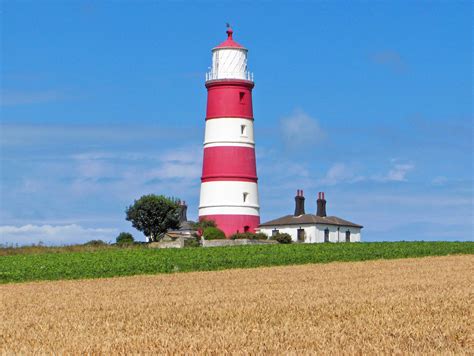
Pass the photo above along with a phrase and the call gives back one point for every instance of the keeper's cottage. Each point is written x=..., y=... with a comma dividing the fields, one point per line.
x=312, y=228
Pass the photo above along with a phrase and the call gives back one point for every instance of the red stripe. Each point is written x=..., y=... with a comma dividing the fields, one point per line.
x=235, y=117
x=231, y=224
x=229, y=162
x=229, y=99
x=229, y=178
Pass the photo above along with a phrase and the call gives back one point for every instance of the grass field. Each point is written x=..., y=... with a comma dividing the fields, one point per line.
x=415, y=306
x=113, y=261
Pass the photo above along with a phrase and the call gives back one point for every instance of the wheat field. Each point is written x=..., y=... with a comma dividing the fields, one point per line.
x=422, y=305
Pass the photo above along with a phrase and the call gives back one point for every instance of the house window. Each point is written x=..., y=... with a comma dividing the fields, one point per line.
x=300, y=234
x=245, y=196
x=348, y=236
x=275, y=232
x=326, y=235
x=243, y=130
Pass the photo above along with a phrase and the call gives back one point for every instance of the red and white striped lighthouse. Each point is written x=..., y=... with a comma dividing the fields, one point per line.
x=229, y=193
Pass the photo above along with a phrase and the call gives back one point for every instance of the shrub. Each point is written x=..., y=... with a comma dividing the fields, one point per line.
x=203, y=223
x=238, y=236
x=124, y=238
x=282, y=238
x=261, y=236
x=95, y=243
x=249, y=235
x=213, y=233
x=194, y=242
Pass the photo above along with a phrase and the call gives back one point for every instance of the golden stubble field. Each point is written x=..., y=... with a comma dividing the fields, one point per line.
x=420, y=305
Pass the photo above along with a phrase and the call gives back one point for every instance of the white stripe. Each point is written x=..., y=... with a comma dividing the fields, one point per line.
x=229, y=130
x=222, y=194
x=235, y=144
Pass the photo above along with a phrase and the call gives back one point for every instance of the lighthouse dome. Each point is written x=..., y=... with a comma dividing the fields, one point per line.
x=229, y=60
x=229, y=42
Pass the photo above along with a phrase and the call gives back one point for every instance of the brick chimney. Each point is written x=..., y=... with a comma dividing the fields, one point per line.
x=321, y=205
x=183, y=211
x=299, y=203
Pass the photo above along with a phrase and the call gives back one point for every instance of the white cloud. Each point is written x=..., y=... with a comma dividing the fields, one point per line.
x=53, y=234
x=341, y=173
x=300, y=129
x=397, y=173
x=344, y=173
x=183, y=162
x=87, y=135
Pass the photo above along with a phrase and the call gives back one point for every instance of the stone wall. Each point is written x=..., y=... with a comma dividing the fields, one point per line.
x=238, y=242
x=178, y=243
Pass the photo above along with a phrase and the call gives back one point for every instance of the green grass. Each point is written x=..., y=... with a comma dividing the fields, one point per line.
x=110, y=262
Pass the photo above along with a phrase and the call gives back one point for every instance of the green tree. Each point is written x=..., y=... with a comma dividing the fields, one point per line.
x=124, y=238
x=154, y=215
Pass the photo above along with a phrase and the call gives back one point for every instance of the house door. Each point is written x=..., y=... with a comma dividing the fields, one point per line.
x=300, y=234
x=326, y=235
x=348, y=236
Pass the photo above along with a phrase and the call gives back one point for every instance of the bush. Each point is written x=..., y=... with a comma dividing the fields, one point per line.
x=282, y=238
x=203, y=223
x=249, y=235
x=239, y=235
x=95, y=243
x=213, y=233
x=124, y=238
x=194, y=242
x=261, y=236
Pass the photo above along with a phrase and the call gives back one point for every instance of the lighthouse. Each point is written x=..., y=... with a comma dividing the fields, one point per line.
x=229, y=191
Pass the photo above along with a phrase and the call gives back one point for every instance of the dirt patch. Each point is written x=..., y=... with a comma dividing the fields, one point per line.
x=419, y=305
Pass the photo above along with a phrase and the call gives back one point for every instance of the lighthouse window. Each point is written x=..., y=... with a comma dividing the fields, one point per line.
x=245, y=195
x=243, y=130
x=241, y=96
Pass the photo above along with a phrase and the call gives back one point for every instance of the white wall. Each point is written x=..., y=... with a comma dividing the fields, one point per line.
x=315, y=233
x=292, y=230
x=337, y=233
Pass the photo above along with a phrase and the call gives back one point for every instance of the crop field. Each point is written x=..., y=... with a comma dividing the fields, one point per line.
x=109, y=261
x=421, y=305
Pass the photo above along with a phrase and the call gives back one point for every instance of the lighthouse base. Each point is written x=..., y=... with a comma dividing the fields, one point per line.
x=231, y=224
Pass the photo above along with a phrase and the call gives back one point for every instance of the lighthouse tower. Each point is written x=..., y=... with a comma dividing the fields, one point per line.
x=229, y=193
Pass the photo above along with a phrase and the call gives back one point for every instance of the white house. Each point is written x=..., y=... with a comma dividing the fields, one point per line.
x=310, y=228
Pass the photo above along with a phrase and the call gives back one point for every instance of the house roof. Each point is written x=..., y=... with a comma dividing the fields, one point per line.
x=306, y=219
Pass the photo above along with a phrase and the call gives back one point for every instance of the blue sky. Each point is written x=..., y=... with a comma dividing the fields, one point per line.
x=370, y=102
